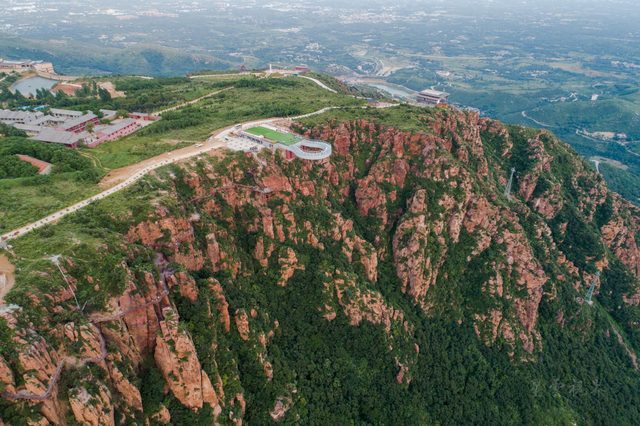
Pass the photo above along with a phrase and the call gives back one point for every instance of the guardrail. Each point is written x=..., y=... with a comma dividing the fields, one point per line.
x=298, y=150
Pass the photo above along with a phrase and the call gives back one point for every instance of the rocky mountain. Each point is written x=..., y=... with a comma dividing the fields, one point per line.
x=393, y=283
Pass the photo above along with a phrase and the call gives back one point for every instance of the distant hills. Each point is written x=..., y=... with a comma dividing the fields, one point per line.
x=83, y=59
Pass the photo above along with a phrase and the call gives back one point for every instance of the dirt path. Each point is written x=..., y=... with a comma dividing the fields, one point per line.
x=192, y=102
x=319, y=83
x=96, y=161
x=7, y=278
x=117, y=176
x=111, y=88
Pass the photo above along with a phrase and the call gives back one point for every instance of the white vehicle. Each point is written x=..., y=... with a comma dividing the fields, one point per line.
x=198, y=145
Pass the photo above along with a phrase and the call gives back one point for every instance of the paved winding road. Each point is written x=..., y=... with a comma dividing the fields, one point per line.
x=71, y=209
x=319, y=83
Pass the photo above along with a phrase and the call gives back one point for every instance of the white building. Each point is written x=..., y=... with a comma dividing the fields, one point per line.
x=432, y=97
x=19, y=117
x=65, y=113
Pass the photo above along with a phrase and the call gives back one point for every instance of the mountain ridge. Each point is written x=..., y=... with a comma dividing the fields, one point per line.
x=75, y=58
x=393, y=283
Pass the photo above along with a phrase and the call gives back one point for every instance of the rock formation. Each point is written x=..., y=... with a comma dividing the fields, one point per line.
x=218, y=290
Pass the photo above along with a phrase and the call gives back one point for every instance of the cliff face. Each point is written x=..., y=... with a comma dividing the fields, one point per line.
x=213, y=301
x=177, y=359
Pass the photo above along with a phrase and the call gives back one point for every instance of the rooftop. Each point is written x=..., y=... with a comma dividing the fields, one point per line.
x=108, y=112
x=29, y=128
x=47, y=119
x=434, y=93
x=11, y=63
x=56, y=136
x=41, y=165
x=17, y=115
x=66, y=112
x=112, y=128
x=77, y=121
x=274, y=135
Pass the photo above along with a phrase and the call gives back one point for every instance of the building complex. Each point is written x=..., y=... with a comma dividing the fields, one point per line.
x=69, y=128
x=25, y=64
x=110, y=132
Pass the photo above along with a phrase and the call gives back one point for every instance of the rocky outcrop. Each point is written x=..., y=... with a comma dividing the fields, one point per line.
x=289, y=264
x=222, y=306
x=139, y=326
x=163, y=416
x=242, y=324
x=185, y=284
x=127, y=391
x=6, y=376
x=178, y=362
x=280, y=409
x=622, y=242
x=92, y=409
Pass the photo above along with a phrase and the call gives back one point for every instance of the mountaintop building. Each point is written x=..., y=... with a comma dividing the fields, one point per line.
x=432, y=97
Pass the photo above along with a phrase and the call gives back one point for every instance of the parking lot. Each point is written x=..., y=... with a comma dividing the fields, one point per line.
x=241, y=144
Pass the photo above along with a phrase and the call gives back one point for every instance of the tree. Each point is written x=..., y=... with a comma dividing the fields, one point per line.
x=104, y=94
x=89, y=127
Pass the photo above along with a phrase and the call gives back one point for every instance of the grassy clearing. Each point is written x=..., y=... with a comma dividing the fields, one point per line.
x=29, y=199
x=404, y=117
x=133, y=149
x=260, y=99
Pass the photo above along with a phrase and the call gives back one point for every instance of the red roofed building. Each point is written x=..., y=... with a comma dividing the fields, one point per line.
x=44, y=168
x=111, y=132
x=77, y=125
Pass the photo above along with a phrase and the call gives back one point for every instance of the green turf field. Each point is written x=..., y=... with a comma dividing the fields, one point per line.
x=284, y=138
